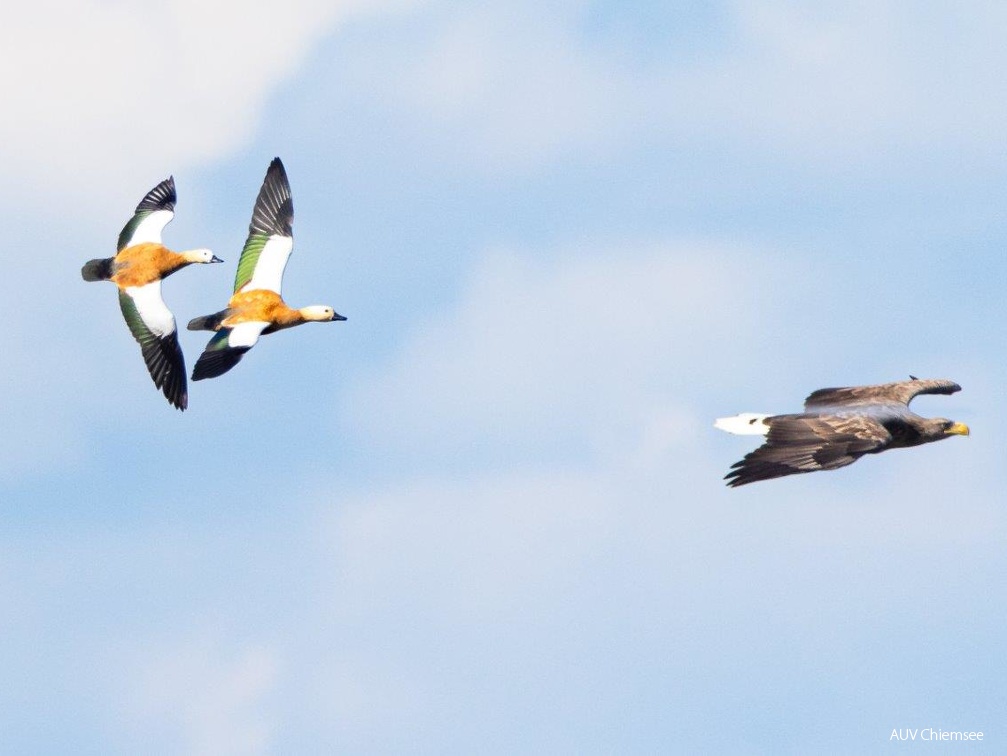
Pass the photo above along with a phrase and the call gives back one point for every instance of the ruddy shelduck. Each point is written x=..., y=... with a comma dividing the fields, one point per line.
x=256, y=307
x=140, y=263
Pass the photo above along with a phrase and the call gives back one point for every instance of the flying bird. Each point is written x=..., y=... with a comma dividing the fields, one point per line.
x=140, y=264
x=837, y=427
x=256, y=307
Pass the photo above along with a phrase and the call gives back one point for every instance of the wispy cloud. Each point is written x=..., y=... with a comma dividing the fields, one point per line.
x=545, y=352
x=112, y=90
x=202, y=696
x=518, y=87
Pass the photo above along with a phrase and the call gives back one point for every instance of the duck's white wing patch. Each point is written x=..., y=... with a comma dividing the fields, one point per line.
x=246, y=334
x=272, y=260
x=270, y=234
x=149, y=228
x=151, y=308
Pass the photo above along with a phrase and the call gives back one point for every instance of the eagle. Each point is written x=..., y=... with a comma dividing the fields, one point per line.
x=838, y=427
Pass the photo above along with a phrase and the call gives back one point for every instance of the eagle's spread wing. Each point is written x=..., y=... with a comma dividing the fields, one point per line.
x=901, y=392
x=805, y=443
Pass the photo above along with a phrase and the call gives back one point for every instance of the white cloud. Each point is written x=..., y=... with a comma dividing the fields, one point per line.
x=587, y=347
x=479, y=547
x=114, y=90
x=845, y=80
x=514, y=87
x=201, y=696
x=506, y=86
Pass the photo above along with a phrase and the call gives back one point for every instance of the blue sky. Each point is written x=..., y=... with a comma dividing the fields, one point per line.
x=486, y=513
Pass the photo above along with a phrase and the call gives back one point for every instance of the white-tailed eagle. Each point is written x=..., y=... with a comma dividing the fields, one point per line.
x=837, y=427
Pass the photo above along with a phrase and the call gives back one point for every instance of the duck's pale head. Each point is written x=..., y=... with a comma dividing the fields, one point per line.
x=320, y=313
x=201, y=256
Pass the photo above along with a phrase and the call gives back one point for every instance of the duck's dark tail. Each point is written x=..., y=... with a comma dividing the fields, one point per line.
x=207, y=322
x=97, y=270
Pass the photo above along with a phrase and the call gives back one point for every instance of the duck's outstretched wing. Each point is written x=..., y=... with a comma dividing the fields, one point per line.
x=153, y=326
x=806, y=443
x=270, y=234
x=226, y=349
x=153, y=213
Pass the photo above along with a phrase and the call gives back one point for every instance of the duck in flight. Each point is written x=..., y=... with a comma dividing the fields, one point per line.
x=140, y=264
x=256, y=307
x=838, y=427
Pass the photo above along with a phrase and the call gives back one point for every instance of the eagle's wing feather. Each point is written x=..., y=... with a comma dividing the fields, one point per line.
x=806, y=443
x=900, y=392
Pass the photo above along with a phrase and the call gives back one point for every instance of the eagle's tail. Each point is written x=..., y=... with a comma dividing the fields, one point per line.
x=745, y=424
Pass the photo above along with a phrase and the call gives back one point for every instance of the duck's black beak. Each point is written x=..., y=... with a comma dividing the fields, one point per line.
x=215, y=259
x=337, y=316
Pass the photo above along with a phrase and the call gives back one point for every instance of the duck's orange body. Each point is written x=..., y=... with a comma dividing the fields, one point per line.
x=261, y=305
x=145, y=263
